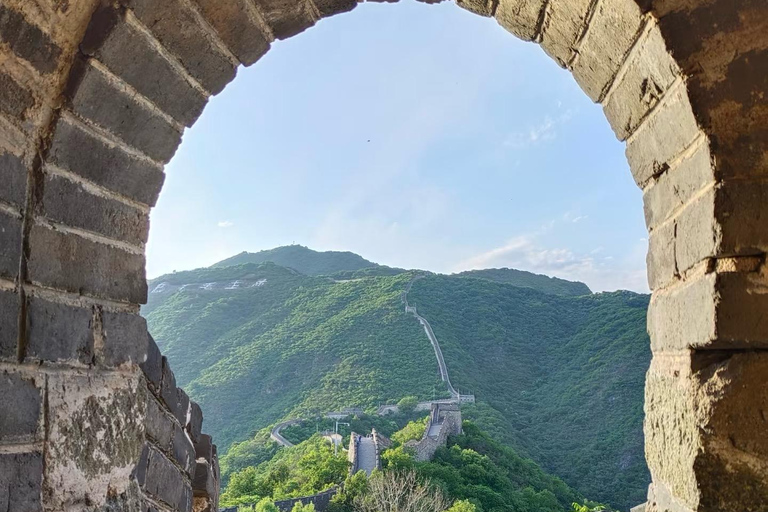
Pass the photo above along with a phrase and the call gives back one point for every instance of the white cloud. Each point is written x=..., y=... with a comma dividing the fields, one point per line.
x=572, y=217
x=525, y=252
x=225, y=224
x=546, y=130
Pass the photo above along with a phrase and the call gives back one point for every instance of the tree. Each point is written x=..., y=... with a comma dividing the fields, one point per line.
x=398, y=459
x=463, y=506
x=407, y=404
x=266, y=505
x=400, y=491
x=300, y=507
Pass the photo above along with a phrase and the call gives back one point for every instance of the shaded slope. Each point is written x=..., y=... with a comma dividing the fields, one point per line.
x=303, y=259
x=521, y=278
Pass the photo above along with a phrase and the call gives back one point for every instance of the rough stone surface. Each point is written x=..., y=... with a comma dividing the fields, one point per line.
x=332, y=7
x=10, y=245
x=81, y=152
x=237, y=25
x=58, y=332
x=59, y=260
x=114, y=106
x=96, y=435
x=204, y=448
x=23, y=396
x=649, y=75
x=205, y=482
x=28, y=41
x=520, y=17
x=164, y=481
x=125, y=339
x=153, y=364
x=21, y=476
x=69, y=203
x=160, y=426
x=678, y=186
x=13, y=174
x=130, y=55
x=703, y=415
x=286, y=18
x=662, y=137
x=15, y=100
x=183, y=451
x=177, y=29
x=567, y=21
x=9, y=324
x=195, y=425
x=713, y=311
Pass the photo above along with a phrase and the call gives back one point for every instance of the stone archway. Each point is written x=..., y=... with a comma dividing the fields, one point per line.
x=94, y=96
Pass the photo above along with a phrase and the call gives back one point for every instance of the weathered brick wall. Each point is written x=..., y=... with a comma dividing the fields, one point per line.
x=179, y=466
x=94, y=97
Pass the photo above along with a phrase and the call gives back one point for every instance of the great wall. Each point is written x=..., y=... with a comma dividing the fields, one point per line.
x=94, y=99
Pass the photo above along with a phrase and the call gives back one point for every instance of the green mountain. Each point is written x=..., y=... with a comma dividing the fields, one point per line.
x=303, y=259
x=559, y=378
x=529, y=280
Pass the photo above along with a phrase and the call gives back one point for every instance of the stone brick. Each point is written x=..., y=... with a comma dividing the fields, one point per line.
x=28, y=41
x=15, y=100
x=613, y=29
x=175, y=399
x=13, y=174
x=649, y=75
x=186, y=499
x=58, y=332
x=699, y=233
x=126, y=339
x=95, y=159
x=140, y=471
x=153, y=365
x=661, y=262
x=164, y=480
x=567, y=20
x=23, y=396
x=21, y=476
x=10, y=245
x=9, y=324
x=114, y=107
x=178, y=30
x=131, y=56
x=712, y=311
x=204, y=483
x=705, y=426
x=481, y=7
x=236, y=25
x=69, y=203
x=678, y=186
x=334, y=7
x=286, y=18
x=95, y=435
x=183, y=450
x=160, y=425
x=742, y=210
x=74, y=264
x=183, y=408
x=204, y=447
x=661, y=138
x=520, y=17
x=195, y=425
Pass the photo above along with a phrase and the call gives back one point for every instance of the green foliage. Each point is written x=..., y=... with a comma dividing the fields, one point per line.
x=559, y=378
x=299, y=507
x=407, y=404
x=463, y=506
x=266, y=505
x=414, y=430
x=398, y=459
x=524, y=279
x=302, y=470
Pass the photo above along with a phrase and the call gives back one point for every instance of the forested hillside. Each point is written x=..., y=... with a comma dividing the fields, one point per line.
x=559, y=378
x=303, y=259
x=524, y=279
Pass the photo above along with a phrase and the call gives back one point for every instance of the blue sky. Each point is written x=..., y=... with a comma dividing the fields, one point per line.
x=417, y=136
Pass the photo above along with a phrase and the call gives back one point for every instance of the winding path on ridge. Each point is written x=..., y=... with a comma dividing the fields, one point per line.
x=366, y=455
x=432, y=339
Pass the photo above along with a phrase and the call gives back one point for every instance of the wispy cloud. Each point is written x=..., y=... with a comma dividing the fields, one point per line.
x=574, y=218
x=545, y=130
x=225, y=224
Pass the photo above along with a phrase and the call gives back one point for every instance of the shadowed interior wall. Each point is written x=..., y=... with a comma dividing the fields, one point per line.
x=94, y=98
